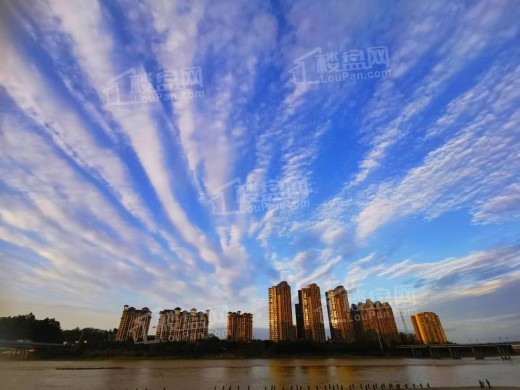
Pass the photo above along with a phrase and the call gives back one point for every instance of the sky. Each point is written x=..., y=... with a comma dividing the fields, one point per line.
x=195, y=153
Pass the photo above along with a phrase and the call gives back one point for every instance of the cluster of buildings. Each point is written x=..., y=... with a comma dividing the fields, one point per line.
x=173, y=325
x=180, y=325
x=365, y=321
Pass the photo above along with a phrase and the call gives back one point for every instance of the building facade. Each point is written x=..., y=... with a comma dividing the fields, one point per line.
x=340, y=318
x=239, y=326
x=280, y=313
x=428, y=328
x=182, y=325
x=134, y=324
x=375, y=321
x=300, y=329
x=310, y=301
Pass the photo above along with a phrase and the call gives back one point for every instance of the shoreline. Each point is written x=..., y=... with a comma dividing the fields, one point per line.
x=475, y=388
x=238, y=357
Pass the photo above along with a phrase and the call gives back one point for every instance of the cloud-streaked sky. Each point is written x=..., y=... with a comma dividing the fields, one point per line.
x=404, y=185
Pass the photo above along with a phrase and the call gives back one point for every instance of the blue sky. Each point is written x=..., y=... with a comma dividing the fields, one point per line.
x=124, y=183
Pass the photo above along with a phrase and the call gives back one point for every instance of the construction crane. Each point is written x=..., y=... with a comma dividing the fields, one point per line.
x=404, y=323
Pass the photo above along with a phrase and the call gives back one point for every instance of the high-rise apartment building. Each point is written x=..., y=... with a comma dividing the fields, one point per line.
x=239, y=326
x=428, y=328
x=300, y=329
x=182, y=325
x=374, y=321
x=134, y=324
x=280, y=313
x=340, y=317
x=310, y=301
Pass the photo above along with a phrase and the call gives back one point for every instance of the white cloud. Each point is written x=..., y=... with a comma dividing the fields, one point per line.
x=389, y=114
x=505, y=206
x=472, y=165
x=476, y=274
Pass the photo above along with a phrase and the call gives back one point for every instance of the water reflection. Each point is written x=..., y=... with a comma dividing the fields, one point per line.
x=347, y=374
x=257, y=373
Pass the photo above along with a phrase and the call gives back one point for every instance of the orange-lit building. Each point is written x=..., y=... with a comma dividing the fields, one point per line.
x=375, y=321
x=182, y=325
x=280, y=313
x=310, y=301
x=134, y=324
x=239, y=326
x=340, y=317
x=300, y=329
x=428, y=328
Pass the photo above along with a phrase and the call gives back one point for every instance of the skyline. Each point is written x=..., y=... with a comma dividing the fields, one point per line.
x=402, y=187
x=365, y=321
x=351, y=323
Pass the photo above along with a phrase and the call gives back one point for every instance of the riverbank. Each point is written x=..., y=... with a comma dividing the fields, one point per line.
x=229, y=357
x=215, y=349
x=201, y=357
x=363, y=360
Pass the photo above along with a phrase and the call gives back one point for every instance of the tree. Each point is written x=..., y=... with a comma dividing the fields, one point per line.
x=27, y=327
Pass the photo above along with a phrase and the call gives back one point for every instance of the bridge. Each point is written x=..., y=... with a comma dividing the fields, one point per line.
x=457, y=351
x=25, y=349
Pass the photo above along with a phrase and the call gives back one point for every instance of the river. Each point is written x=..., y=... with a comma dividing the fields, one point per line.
x=257, y=373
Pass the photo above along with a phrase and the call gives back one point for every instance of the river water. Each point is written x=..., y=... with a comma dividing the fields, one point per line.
x=257, y=373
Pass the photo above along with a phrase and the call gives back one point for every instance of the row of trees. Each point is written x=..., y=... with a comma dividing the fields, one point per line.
x=92, y=336
x=214, y=347
x=27, y=327
x=48, y=330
